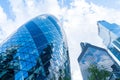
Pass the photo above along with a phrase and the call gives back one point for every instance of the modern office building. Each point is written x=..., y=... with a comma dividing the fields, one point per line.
x=93, y=56
x=36, y=51
x=110, y=34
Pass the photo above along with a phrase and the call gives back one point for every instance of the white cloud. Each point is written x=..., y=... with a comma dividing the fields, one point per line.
x=24, y=10
x=3, y=16
x=5, y=24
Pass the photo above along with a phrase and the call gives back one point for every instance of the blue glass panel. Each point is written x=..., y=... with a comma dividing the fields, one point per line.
x=117, y=44
x=108, y=25
x=115, y=52
x=55, y=23
x=37, y=34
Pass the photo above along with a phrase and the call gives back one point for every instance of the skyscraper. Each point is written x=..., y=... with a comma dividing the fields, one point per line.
x=110, y=33
x=36, y=51
x=95, y=62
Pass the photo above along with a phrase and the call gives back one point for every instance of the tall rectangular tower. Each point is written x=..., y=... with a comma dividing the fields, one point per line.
x=110, y=34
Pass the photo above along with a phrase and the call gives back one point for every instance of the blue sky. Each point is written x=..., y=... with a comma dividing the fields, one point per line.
x=115, y=4
x=5, y=4
x=79, y=22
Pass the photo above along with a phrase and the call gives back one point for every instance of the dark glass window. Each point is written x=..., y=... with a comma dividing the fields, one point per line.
x=37, y=34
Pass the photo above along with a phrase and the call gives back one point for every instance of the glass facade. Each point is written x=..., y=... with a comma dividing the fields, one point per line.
x=93, y=55
x=115, y=49
x=36, y=51
x=110, y=34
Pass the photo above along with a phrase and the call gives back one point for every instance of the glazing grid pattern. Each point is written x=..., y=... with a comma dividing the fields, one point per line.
x=41, y=50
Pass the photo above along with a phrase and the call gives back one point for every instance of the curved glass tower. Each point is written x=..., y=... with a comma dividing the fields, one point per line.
x=36, y=51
